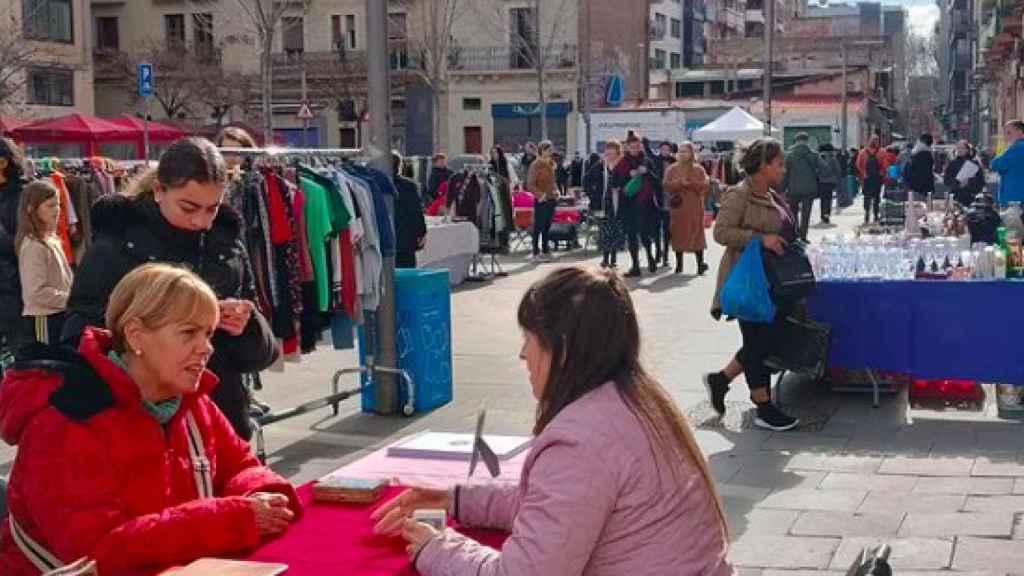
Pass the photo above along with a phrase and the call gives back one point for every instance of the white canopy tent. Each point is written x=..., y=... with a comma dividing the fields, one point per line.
x=736, y=125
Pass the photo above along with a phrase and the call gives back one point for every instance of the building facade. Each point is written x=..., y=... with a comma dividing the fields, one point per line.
x=958, y=43
x=45, y=58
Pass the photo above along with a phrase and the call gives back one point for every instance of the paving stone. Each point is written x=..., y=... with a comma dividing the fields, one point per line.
x=927, y=466
x=999, y=465
x=845, y=524
x=964, y=485
x=835, y=463
x=907, y=553
x=777, y=479
x=803, y=499
x=919, y=503
x=1001, y=556
x=991, y=524
x=805, y=442
x=747, y=494
x=869, y=482
x=763, y=521
x=1018, y=486
x=788, y=552
x=1018, y=526
x=1013, y=503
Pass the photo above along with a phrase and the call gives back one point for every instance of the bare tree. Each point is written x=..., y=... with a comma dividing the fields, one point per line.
x=533, y=44
x=223, y=91
x=16, y=53
x=265, y=18
x=177, y=85
x=431, y=41
x=921, y=55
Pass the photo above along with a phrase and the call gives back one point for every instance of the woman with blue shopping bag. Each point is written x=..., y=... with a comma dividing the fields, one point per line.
x=753, y=216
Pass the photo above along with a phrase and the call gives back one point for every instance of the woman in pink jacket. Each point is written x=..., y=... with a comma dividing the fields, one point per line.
x=614, y=483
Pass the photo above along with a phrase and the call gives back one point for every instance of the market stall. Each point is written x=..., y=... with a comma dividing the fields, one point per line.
x=159, y=134
x=450, y=246
x=736, y=126
x=87, y=131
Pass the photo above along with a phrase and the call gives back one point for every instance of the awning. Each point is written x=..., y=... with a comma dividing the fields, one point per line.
x=529, y=109
x=158, y=132
x=9, y=124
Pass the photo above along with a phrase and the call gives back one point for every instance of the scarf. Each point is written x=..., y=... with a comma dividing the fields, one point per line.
x=161, y=411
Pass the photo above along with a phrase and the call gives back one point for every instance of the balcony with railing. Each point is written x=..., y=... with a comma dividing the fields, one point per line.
x=505, y=58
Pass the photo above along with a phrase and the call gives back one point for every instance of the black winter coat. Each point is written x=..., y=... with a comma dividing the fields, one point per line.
x=964, y=194
x=921, y=172
x=437, y=176
x=10, y=282
x=410, y=225
x=129, y=233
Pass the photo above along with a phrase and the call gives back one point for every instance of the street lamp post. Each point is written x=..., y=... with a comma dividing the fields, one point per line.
x=769, y=37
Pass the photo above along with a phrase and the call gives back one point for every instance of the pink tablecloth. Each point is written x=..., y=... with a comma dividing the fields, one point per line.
x=339, y=539
x=563, y=214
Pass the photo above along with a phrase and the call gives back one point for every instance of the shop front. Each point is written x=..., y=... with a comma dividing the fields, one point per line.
x=516, y=124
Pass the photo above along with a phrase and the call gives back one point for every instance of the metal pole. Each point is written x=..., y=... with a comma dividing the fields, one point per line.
x=145, y=129
x=305, y=121
x=377, y=63
x=769, y=37
x=586, y=78
x=846, y=97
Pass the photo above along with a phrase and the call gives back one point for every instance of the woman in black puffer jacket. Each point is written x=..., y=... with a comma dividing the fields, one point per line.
x=175, y=214
x=11, y=166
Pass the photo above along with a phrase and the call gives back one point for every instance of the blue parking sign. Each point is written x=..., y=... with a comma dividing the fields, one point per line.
x=145, y=80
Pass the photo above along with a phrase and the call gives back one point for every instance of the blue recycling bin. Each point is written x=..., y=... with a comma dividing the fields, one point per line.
x=423, y=339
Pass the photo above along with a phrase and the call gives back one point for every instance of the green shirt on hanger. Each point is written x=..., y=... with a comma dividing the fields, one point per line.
x=318, y=229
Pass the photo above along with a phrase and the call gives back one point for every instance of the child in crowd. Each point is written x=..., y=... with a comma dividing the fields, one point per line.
x=44, y=270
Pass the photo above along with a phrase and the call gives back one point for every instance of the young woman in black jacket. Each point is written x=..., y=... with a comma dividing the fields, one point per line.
x=176, y=214
x=11, y=166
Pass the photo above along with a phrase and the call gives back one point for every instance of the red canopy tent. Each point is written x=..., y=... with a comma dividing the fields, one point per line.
x=74, y=129
x=8, y=124
x=157, y=132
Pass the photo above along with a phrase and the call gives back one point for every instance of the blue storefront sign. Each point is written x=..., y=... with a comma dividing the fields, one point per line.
x=528, y=110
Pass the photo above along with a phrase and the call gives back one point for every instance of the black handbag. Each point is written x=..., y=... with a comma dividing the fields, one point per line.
x=790, y=275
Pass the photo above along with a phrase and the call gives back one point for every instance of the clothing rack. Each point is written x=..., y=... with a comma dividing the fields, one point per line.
x=480, y=269
x=372, y=369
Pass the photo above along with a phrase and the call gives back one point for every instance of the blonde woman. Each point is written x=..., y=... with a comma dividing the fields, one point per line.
x=122, y=456
x=632, y=496
x=686, y=186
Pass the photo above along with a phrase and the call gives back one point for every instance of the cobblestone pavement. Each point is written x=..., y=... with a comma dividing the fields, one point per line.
x=945, y=489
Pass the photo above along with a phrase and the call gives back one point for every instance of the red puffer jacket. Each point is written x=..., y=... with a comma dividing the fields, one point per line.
x=97, y=476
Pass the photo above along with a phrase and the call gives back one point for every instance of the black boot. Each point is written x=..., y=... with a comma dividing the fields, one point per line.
x=604, y=261
x=701, y=266
x=679, y=262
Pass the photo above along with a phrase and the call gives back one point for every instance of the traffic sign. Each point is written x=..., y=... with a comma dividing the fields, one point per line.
x=305, y=112
x=145, y=80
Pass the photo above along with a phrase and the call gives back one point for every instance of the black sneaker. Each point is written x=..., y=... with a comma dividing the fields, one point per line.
x=634, y=273
x=717, y=386
x=770, y=417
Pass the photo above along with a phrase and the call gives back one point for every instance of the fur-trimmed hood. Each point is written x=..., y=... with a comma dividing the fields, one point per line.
x=115, y=214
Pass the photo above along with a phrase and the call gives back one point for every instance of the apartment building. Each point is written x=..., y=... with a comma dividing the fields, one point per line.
x=47, y=50
x=961, y=31
x=667, y=44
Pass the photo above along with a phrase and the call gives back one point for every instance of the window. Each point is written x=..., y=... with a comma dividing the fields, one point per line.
x=471, y=104
x=51, y=87
x=350, y=30
x=174, y=30
x=397, y=26
x=48, y=20
x=202, y=36
x=337, y=36
x=293, y=38
x=676, y=60
x=108, y=34
x=661, y=21
x=677, y=28
x=522, y=37
x=689, y=89
x=717, y=87
x=659, y=59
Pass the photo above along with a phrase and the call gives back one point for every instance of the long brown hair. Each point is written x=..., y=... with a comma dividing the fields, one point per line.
x=186, y=160
x=33, y=195
x=586, y=320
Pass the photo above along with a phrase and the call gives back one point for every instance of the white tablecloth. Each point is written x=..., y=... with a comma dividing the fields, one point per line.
x=451, y=246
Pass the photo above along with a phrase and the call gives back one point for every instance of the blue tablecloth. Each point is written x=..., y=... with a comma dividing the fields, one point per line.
x=933, y=330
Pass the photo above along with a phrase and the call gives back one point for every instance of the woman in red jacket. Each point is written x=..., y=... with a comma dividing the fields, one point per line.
x=122, y=457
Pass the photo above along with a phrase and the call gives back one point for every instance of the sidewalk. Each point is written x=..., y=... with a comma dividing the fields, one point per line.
x=945, y=490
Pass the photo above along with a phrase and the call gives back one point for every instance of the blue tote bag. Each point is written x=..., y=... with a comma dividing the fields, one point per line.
x=745, y=293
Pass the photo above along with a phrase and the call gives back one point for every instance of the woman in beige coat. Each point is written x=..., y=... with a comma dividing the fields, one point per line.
x=752, y=208
x=686, y=185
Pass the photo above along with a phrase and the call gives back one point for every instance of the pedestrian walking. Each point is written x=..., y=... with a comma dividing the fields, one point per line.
x=920, y=173
x=686, y=185
x=1010, y=164
x=498, y=162
x=872, y=165
x=175, y=214
x=615, y=175
x=754, y=208
x=410, y=226
x=641, y=212
x=830, y=174
x=12, y=164
x=540, y=181
x=44, y=270
x=439, y=174
x=662, y=161
x=800, y=184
